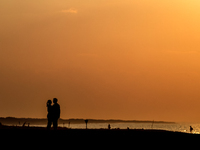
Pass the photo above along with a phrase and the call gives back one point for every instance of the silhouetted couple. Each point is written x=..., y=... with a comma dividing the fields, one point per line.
x=53, y=113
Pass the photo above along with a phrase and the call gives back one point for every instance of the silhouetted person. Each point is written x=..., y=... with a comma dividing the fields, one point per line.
x=109, y=126
x=191, y=129
x=50, y=114
x=56, y=113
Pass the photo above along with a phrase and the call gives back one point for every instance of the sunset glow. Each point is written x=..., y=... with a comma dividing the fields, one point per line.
x=102, y=59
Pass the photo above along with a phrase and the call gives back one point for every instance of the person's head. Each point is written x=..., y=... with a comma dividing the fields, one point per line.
x=55, y=100
x=49, y=102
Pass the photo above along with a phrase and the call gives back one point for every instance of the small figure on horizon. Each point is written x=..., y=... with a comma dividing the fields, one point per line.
x=191, y=129
x=55, y=113
x=109, y=126
x=49, y=115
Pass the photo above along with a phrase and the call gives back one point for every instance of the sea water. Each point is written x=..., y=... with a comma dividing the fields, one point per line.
x=180, y=127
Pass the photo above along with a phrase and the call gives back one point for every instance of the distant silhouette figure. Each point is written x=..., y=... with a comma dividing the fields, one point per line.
x=55, y=113
x=191, y=129
x=109, y=126
x=50, y=114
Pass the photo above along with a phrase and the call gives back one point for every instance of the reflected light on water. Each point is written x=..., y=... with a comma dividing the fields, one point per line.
x=180, y=127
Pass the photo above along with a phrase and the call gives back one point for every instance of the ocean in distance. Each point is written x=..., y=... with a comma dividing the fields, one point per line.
x=103, y=124
x=180, y=127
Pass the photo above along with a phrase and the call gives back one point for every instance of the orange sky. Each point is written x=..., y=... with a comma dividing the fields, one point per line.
x=102, y=59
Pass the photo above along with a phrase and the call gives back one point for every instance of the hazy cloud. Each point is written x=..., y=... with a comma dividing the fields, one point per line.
x=71, y=10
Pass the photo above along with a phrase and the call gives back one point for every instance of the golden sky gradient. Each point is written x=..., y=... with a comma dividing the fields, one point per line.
x=102, y=59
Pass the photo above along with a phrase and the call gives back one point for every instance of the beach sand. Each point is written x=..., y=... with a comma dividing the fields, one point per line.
x=114, y=138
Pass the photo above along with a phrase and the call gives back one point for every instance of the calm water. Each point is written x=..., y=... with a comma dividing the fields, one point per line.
x=181, y=127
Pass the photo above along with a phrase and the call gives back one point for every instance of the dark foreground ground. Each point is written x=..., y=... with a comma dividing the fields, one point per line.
x=39, y=138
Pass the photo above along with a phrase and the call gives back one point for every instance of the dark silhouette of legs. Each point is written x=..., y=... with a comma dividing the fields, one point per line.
x=55, y=124
x=49, y=124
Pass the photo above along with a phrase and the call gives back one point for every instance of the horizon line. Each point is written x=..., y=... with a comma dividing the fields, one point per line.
x=123, y=120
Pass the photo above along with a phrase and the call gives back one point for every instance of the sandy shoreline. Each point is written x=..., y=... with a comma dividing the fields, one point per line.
x=65, y=137
x=86, y=133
